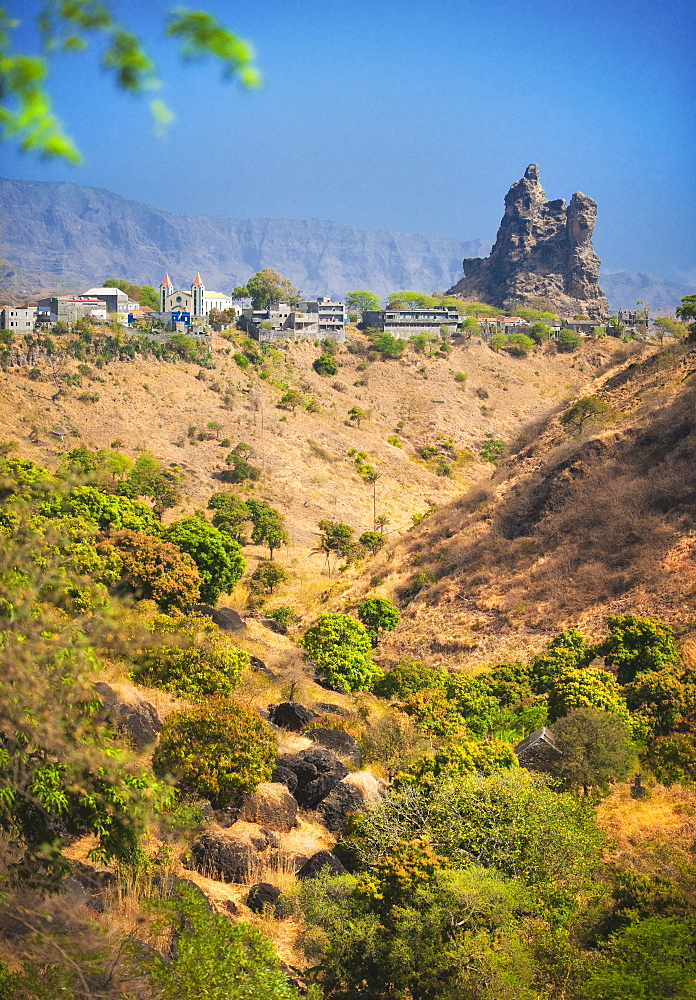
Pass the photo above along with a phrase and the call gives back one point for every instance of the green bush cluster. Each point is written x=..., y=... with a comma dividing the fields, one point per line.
x=217, y=751
x=189, y=657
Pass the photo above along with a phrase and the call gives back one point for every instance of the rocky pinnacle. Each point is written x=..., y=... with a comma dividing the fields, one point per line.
x=543, y=255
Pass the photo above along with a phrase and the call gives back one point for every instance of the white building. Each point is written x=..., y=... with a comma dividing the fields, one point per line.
x=18, y=319
x=115, y=301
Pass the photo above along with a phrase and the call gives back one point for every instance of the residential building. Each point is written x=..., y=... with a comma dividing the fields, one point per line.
x=285, y=321
x=583, y=326
x=19, y=319
x=114, y=299
x=405, y=323
x=70, y=308
x=332, y=316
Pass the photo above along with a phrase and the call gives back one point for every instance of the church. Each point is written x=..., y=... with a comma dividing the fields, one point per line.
x=197, y=302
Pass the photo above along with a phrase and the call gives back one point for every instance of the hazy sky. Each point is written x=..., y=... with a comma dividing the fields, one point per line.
x=414, y=115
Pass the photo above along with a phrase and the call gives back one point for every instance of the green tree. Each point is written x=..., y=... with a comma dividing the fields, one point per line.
x=408, y=677
x=152, y=569
x=590, y=409
x=106, y=511
x=325, y=364
x=25, y=112
x=636, y=645
x=568, y=341
x=567, y=651
x=372, y=540
x=357, y=414
x=540, y=332
x=149, y=478
x=510, y=821
x=291, y=399
x=231, y=512
x=465, y=756
x=218, y=557
x=341, y=648
x=497, y=341
x=653, y=959
x=217, y=751
x=596, y=749
x=269, y=527
x=266, y=288
x=378, y=615
x=362, y=300
x=519, y=344
x=660, y=698
x=665, y=327
x=387, y=345
x=687, y=311
x=672, y=759
x=588, y=688
x=268, y=575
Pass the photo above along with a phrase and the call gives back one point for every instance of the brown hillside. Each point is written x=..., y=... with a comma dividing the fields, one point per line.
x=573, y=527
x=149, y=405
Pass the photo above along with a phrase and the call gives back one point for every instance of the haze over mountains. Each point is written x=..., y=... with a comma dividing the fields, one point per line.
x=67, y=236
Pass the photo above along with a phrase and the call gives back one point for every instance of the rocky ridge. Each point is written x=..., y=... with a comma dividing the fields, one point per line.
x=543, y=255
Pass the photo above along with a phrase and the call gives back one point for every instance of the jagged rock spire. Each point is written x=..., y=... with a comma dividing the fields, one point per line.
x=543, y=254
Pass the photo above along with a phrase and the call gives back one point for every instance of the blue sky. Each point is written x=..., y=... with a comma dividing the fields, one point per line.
x=409, y=115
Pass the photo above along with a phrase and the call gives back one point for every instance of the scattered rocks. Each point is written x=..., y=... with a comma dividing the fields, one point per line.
x=132, y=715
x=275, y=626
x=260, y=667
x=345, y=746
x=284, y=776
x=226, y=619
x=260, y=895
x=272, y=806
x=291, y=715
x=322, y=861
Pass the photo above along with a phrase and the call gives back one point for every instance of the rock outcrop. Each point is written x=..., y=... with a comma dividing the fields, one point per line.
x=543, y=255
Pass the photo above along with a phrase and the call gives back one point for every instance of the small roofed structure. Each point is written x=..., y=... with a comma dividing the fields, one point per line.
x=538, y=750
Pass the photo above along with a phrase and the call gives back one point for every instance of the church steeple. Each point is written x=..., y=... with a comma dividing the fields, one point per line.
x=166, y=288
x=198, y=293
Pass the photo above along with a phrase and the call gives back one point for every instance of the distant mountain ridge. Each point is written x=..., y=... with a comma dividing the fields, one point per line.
x=64, y=236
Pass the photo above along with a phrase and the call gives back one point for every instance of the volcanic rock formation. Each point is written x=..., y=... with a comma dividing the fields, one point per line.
x=543, y=255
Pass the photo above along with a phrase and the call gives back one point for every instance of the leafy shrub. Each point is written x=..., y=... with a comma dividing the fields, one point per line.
x=325, y=364
x=508, y=683
x=590, y=409
x=282, y=614
x=341, y=648
x=194, y=660
x=672, y=759
x=660, y=698
x=378, y=615
x=567, y=651
x=568, y=340
x=408, y=677
x=216, y=751
x=218, y=557
x=462, y=757
x=637, y=644
x=469, y=695
x=153, y=569
x=215, y=958
x=106, y=511
x=493, y=449
x=434, y=713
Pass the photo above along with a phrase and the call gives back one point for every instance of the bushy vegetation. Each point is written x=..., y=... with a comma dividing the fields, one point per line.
x=189, y=657
x=341, y=648
x=216, y=751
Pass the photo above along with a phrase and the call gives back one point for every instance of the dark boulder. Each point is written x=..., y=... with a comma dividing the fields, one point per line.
x=303, y=770
x=261, y=895
x=226, y=619
x=134, y=716
x=284, y=776
x=323, y=861
x=339, y=742
x=324, y=761
x=354, y=794
x=309, y=796
x=272, y=806
x=291, y=715
x=279, y=627
x=328, y=708
x=221, y=856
